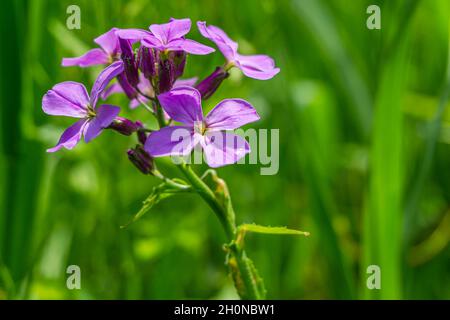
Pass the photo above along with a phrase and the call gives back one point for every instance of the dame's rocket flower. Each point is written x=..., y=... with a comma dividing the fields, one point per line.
x=110, y=51
x=167, y=37
x=183, y=105
x=71, y=99
x=170, y=36
x=260, y=67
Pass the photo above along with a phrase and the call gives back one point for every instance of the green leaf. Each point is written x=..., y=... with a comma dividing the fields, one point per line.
x=270, y=230
x=161, y=192
x=244, y=228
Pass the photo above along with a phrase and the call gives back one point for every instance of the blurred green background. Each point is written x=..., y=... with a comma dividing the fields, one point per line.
x=364, y=157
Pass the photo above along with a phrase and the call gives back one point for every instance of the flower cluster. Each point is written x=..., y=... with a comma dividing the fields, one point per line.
x=147, y=66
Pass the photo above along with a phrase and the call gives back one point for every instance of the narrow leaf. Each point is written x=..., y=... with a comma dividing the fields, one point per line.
x=159, y=193
x=271, y=230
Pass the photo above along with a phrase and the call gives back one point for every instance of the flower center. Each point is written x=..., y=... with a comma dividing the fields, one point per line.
x=199, y=127
x=229, y=65
x=90, y=112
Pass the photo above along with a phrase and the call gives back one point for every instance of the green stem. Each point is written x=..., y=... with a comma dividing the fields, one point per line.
x=242, y=261
x=245, y=269
x=206, y=193
x=159, y=114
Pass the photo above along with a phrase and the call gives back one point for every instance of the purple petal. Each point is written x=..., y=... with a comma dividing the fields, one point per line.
x=174, y=140
x=175, y=29
x=105, y=114
x=91, y=58
x=109, y=42
x=129, y=91
x=66, y=99
x=227, y=46
x=193, y=47
x=174, y=45
x=151, y=41
x=134, y=103
x=112, y=89
x=231, y=114
x=70, y=137
x=222, y=148
x=103, y=79
x=133, y=34
x=259, y=67
x=144, y=85
x=190, y=82
x=182, y=104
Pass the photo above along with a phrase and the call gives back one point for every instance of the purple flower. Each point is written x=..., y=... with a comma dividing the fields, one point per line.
x=167, y=37
x=109, y=52
x=260, y=67
x=183, y=104
x=71, y=99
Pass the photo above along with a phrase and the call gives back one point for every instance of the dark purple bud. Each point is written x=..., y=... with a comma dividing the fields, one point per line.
x=148, y=61
x=124, y=126
x=126, y=86
x=141, y=159
x=179, y=60
x=210, y=84
x=166, y=75
x=129, y=62
x=142, y=135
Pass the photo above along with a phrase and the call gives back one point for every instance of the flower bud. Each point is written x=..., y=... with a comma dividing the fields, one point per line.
x=141, y=159
x=148, y=61
x=129, y=62
x=130, y=92
x=179, y=60
x=166, y=75
x=210, y=84
x=124, y=126
x=142, y=135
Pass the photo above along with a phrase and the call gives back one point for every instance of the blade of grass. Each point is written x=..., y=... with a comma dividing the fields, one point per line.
x=317, y=136
x=324, y=27
x=432, y=135
x=383, y=216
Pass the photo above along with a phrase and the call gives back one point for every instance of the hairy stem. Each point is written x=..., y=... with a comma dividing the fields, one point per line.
x=243, y=263
x=159, y=112
x=160, y=116
x=245, y=270
x=206, y=193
